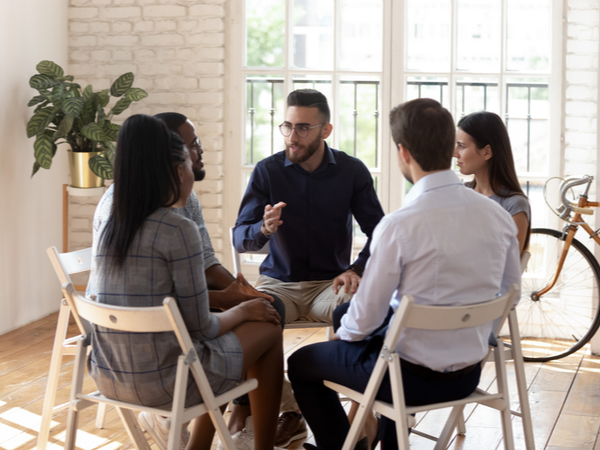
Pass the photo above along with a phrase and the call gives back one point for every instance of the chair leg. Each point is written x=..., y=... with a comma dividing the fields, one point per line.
x=506, y=415
x=398, y=401
x=517, y=355
x=53, y=375
x=176, y=421
x=101, y=415
x=76, y=387
x=451, y=423
x=133, y=428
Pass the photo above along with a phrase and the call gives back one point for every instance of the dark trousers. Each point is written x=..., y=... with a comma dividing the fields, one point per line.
x=351, y=364
x=244, y=400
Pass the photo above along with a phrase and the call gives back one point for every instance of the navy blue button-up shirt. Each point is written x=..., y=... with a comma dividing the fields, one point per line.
x=315, y=240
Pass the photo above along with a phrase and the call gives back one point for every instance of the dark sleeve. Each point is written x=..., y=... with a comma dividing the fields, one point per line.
x=366, y=209
x=246, y=233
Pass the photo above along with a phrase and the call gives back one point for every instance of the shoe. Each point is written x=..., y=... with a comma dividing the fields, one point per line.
x=154, y=426
x=244, y=439
x=290, y=427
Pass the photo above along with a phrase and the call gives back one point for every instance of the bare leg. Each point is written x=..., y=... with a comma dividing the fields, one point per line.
x=203, y=432
x=237, y=420
x=263, y=359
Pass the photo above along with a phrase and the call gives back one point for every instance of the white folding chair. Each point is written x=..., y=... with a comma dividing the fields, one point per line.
x=156, y=319
x=64, y=264
x=426, y=317
x=237, y=268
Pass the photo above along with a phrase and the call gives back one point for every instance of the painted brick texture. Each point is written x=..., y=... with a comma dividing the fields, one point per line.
x=176, y=50
x=581, y=87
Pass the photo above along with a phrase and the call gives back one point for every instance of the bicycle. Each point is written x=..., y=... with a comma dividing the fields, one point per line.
x=558, y=312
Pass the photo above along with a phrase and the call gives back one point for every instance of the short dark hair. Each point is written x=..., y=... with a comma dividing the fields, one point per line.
x=426, y=129
x=145, y=178
x=310, y=98
x=173, y=120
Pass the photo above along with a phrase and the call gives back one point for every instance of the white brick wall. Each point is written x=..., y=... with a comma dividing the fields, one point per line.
x=176, y=50
x=581, y=87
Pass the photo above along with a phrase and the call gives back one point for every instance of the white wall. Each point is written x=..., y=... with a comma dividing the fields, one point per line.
x=176, y=50
x=30, y=209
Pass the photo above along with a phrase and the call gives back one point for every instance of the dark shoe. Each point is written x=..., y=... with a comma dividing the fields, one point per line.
x=290, y=427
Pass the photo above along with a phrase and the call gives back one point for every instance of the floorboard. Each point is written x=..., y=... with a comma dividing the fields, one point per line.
x=564, y=397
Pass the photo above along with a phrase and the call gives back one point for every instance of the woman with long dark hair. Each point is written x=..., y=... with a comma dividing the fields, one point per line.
x=147, y=252
x=483, y=150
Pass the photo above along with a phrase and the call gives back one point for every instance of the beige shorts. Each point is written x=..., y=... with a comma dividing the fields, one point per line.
x=308, y=300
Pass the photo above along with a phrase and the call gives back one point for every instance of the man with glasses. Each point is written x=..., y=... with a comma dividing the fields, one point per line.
x=301, y=201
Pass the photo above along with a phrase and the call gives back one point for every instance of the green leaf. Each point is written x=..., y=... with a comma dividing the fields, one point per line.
x=35, y=100
x=136, y=94
x=101, y=113
x=103, y=97
x=93, y=131
x=39, y=121
x=49, y=68
x=120, y=106
x=41, y=106
x=64, y=127
x=101, y=167
x=111, y=130
x=73, y=106
x=88, y=93
x=41, y=82
x=121, y=84
x=59, y=93
x=42, y=150
x=66, y=78
x=87, y=114
x=35, y=168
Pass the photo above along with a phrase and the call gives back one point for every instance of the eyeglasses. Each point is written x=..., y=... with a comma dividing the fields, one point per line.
x=301, y=130
x=196, y=143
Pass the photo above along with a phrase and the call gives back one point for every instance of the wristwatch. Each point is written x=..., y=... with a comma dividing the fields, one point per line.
x=264, y=231
x=357, y=269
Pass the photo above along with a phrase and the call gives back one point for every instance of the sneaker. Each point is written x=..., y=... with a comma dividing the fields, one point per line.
x=244, y=439
x=155, y=427
x=290, y=427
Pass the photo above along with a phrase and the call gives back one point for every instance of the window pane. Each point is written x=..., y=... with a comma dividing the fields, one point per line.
x=478, y=35
x=476, y=95
x=527, y=122
x=428, y=35
x=264, y=112
x=428, y=87
x=313, y=34
x=359, y=122
x=317, y=82
x=266, y=33
x=361, y=33
x=528, y=35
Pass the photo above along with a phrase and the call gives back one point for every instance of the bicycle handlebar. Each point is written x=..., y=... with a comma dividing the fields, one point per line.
x=570, y=183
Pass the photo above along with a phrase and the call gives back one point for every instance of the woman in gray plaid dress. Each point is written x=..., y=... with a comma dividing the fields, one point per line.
x=146, y=253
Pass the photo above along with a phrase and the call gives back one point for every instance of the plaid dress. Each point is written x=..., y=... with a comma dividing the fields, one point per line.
x=165, y=259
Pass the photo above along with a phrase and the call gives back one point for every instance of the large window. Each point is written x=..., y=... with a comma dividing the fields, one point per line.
x=490, y=55
x=369, y=55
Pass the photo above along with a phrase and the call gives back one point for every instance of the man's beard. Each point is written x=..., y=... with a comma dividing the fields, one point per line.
x=310, y=150
x=199, y=174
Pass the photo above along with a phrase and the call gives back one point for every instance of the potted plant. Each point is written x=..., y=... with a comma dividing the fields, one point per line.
x=67, y=114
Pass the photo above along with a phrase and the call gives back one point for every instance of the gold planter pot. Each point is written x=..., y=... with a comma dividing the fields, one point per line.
x=81, y=174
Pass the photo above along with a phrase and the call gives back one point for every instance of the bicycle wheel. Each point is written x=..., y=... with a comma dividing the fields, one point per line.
x=563, y=320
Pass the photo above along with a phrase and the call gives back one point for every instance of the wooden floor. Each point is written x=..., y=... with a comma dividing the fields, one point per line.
x=564, y=395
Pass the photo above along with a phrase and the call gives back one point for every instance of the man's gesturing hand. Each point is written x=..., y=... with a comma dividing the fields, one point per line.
x=271, y=219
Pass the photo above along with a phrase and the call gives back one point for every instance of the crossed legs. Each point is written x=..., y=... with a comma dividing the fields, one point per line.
x=263, y=359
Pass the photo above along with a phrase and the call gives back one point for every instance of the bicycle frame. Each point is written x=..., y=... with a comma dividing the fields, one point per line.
x=583, y=206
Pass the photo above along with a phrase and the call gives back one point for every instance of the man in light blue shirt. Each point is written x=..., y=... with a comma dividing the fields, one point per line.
x=447, y=245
